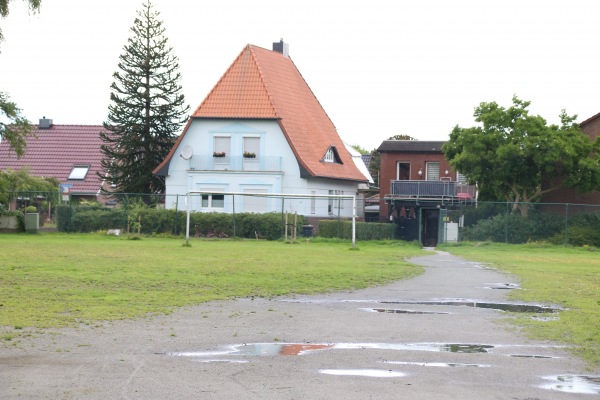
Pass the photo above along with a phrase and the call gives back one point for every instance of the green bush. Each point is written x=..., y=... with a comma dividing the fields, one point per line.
x=4, y=212
x=364, y=230
x=152, y=221
x=513, y=228
x=583, y=229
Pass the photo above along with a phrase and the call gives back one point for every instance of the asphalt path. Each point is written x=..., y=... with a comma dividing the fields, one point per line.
x=415, y=339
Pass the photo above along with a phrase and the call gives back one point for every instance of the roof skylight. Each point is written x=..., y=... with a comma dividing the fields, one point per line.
x=79, y=172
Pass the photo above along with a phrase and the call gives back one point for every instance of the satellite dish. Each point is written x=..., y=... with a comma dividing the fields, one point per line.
x=186, y=152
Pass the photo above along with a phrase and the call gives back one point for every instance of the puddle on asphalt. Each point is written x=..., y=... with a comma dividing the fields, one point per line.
x=512, y=307
x=502, y=286
x=530, y=356
x=400, y=311
x=573, y=383
x=437, y=364
x=371, y=373
x=298, y=349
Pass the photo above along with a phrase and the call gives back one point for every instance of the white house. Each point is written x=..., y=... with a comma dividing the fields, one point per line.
x=261, y=131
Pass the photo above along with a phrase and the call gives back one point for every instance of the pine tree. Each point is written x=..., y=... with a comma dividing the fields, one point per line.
x=147, y=108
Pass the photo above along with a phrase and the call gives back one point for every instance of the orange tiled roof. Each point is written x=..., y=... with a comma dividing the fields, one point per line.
x=265, y=84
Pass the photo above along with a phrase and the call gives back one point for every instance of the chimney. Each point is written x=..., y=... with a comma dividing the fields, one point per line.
x=282, y=48
x=45, y=123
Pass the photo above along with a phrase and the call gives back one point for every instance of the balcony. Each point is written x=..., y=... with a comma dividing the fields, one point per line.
x=235, y=163
x=432, y=190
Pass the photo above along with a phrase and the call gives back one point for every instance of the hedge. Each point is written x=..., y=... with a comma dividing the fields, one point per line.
x=513, y=228
x=160, y=221
x=364, y=230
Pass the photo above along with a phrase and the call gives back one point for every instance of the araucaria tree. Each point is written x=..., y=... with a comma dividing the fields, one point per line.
x=147, y=108
x=519, y=157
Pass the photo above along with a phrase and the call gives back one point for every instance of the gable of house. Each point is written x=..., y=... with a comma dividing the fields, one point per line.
x=69, y=153
x=266, y=85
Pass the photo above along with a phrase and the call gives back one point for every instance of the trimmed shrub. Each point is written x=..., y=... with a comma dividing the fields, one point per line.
x=364, y=230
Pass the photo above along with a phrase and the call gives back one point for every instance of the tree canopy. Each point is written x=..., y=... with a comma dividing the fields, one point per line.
x=13, y=183
x=147, y=108
x=14, y=128
x=34, y=5
x=518, y=157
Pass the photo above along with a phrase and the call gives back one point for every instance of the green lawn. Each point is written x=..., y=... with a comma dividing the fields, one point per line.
x=52, y=280
x=566, y=276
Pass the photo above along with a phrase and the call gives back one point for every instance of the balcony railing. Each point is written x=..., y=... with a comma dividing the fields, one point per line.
x=234, y=163
x=432, y=189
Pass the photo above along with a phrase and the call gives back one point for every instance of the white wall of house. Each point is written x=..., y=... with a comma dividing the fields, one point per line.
x=274, y=170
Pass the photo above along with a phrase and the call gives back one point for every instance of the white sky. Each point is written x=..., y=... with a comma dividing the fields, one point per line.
x=379, y=68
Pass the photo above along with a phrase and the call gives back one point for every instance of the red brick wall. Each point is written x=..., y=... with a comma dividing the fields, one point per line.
x=567, y=195
x=387, y=172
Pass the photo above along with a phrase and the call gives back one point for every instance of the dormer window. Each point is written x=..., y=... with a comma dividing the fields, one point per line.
x=332, y=156
x=79, y=172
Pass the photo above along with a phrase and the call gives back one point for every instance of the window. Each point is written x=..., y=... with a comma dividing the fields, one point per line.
x=252, y=146
x=403, y=171
x=332, y=156
x=222, y=144
x=79, y=172
x=335, y=203
x=433, y=171
x=313, y=202
x=213, y=201
x=256, y=204
x=329, y=156
x=461, y=178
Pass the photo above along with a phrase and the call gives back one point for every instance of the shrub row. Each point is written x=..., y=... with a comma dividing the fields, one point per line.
x=513, y=228
x=364, y=230
x=160, y=221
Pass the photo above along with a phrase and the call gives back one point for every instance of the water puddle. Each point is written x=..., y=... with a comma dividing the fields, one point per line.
x=530, y=356
x=298, y=349
x=400, y=311
x=371, y=373
x=437, y=364
x=512, y=307
x=573, y=383
x=502, y=286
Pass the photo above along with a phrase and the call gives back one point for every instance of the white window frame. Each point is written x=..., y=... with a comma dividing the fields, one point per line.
x=329, y=156
x=79, y=172
x=211, y=199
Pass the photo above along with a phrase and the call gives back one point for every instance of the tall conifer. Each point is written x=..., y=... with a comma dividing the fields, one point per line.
x=147, y=108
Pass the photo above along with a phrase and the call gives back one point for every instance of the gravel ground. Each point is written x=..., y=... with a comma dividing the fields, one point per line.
x=366, y=344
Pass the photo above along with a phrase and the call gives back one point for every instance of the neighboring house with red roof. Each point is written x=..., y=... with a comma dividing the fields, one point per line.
x=417, y=188
x=261, y=131
x=69, y=153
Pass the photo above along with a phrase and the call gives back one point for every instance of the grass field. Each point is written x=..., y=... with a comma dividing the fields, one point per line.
x=54, y=280
x=569, y=277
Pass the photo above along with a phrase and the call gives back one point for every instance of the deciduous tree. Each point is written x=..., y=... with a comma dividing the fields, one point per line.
x=14, y=128
x=519, y=157
x=147, y=108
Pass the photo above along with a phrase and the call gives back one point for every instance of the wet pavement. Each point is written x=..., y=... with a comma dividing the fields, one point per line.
x=424, y=338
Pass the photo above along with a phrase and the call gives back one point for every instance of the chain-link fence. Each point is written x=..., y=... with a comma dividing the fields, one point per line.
x=222, y=215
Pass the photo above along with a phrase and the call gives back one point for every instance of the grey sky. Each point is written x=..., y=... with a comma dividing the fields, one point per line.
x=379, y=68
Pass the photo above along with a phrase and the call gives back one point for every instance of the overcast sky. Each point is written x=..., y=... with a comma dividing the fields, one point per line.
x=379, y=68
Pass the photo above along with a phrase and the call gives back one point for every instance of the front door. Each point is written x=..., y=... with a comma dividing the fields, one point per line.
x=429, y=227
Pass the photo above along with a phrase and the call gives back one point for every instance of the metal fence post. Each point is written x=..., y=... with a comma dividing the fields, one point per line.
x=506, y=223
x=566, y=238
